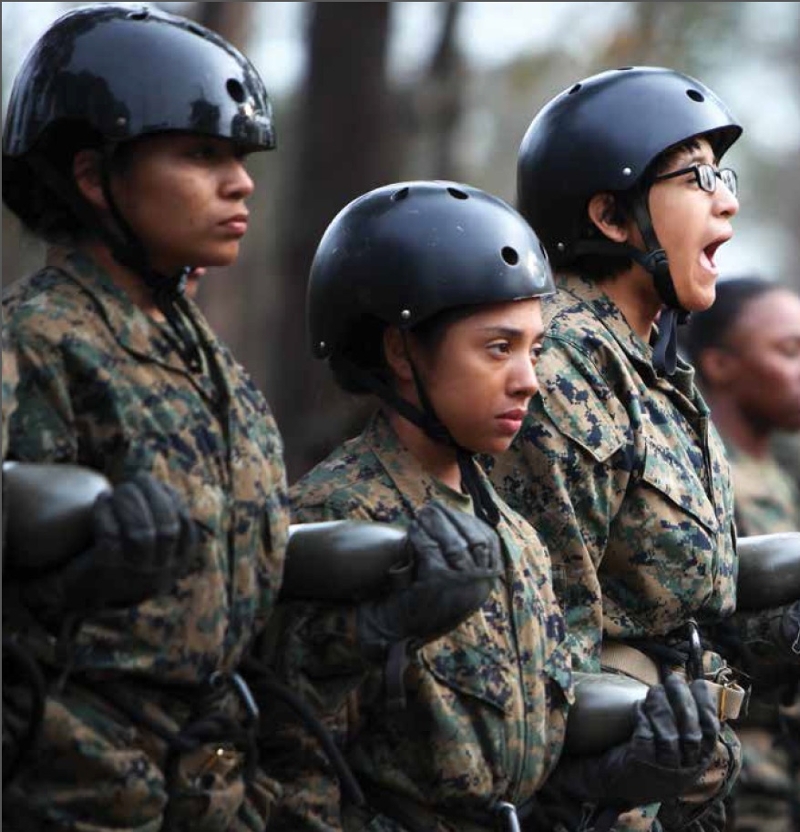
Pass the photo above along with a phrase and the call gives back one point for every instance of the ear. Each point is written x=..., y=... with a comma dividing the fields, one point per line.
x=394, y=348
x=601, y=213
x=718, y=366
x=86, y=172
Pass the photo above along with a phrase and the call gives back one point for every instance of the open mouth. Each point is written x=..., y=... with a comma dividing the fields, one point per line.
x=709, y=252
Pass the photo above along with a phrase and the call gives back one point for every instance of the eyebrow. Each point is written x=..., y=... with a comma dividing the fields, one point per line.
x=510, y=331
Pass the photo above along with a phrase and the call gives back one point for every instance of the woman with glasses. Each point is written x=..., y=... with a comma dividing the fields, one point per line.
x=617, y=465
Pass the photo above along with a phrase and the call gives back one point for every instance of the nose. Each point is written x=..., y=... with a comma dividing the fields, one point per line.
x=238, y=183
x=524, y=382
x=727, y=203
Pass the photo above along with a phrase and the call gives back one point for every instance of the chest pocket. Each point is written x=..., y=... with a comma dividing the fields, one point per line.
x=673, y=474
x=479, y=671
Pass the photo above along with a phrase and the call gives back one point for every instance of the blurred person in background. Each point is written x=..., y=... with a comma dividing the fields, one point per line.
x=617, y=465
x=787, y=452
x=746, y=348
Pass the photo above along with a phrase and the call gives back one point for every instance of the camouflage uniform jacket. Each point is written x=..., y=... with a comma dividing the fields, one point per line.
x=101, y=384
x=767, y=498
x=486, y=704
x=625, y=479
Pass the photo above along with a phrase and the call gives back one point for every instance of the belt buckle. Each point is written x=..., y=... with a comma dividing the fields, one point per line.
x=220, y=756
x=721, y=704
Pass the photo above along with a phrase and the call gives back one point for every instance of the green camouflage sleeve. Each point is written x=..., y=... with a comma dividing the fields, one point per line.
x=10, y=381
x=40, y=431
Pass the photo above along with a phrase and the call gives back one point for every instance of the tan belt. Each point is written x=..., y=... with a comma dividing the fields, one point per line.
x=615, y=655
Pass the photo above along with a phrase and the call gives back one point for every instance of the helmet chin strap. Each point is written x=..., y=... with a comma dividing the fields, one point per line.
x=428, y=422
x=485, y=507
x=167, y=291
x=653, y=260
x=665, y=351
x=128, y=251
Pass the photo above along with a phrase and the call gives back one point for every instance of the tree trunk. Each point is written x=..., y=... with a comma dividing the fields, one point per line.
x=344, y=133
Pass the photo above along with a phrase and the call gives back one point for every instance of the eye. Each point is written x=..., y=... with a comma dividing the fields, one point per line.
x=500, y=347
x=203, y=151
x=790, y=349
x=536, y=352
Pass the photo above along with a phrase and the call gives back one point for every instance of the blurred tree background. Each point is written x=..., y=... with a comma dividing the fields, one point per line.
x=371, y=93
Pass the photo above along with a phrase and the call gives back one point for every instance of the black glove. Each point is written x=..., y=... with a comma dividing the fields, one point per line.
x=671, y=747
x=457, y=559
x=144, y=540
x=712, y=817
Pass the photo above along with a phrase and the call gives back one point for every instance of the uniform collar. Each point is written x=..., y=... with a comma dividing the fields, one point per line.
x=589, y=295
x=409, y=477
x=134, y=330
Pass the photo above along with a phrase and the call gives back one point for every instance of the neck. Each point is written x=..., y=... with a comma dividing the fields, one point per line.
x=123, y=277
x=635, y=295
x=437, y=459
x=736, y=429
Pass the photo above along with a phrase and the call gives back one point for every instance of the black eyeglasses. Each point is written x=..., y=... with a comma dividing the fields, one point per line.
x=706, y=177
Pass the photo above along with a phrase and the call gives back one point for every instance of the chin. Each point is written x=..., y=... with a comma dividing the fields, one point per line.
x=219, y=260
x=701, y=300
x=497, y=446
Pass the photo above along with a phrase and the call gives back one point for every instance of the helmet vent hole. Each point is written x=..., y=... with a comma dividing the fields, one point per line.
x=544, y=252
x=574, y=89
x=235, y=90
x=401, y=194
x=139, y=14
x=695, y=95
x=457, y=194
x=510, y=255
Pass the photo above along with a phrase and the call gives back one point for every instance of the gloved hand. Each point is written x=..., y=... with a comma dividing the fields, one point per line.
x=671, y=747
x=457, y=559
x=144, y=540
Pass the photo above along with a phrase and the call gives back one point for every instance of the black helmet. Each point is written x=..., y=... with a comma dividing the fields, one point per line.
x=403, y=252
x=113, y=73
x=100, y=76
x=127, y=72
x=600, y=135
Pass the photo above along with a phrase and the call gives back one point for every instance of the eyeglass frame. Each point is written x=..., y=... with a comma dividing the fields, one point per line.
x=719, y=173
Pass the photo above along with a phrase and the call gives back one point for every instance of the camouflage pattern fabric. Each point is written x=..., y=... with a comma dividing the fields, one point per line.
x=9, y=399
x=486, y=704
x=9, y=389
x=766, y=798
x=625, y=478
x=102, y=385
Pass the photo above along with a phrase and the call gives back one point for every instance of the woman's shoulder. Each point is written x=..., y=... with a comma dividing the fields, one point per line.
x=47, y=290
x=349, y=483
x=44, y=309
x=581, y=334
